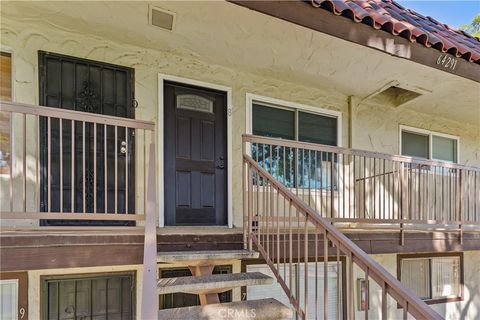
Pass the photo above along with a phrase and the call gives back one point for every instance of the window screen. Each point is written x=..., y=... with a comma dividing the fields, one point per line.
x=433, y=277
x=416, y=276
x=8, y=299
x=444, y=148
x=273, y=122
x=415, y=145
x=317, y=128
x=275, y=290
x=445, y=277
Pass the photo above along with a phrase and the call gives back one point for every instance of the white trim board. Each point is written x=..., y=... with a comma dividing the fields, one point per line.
x=250, y=98
x=160, y=142
x=428, y=133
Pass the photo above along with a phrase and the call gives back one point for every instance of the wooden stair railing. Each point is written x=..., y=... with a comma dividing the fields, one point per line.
x=292, y=237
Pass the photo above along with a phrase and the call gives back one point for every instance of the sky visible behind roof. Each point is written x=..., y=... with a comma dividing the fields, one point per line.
x=451, y=12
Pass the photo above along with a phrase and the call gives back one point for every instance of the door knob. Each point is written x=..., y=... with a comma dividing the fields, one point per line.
x=220, y=163
x=123, y=148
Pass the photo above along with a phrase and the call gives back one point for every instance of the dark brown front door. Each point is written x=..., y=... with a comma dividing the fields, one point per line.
x=195, y=156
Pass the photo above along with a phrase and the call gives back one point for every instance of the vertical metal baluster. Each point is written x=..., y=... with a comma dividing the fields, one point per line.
x=72, y=166
x=315, y=179
x=94, y=167
x=250, y=206
x=384, y=301
x=268, y=213
x=284, y=237
x=354, y=186
x=306, y=266
x=126, y=170
x=297, y=273
x=308, y=177
x=343, y=186
x=350, y=289
x=364, y=187
x=367, y=298
x=325, y=275
x=384, y=173
x=435, y=213
x=105, y=171
x=332, y=182
x=303, y=174
x=322, y=211
x=442, y=197
x=37, y=161
x=374, y=188
x=61, y=163
x=284, y=214
x=116, y=169
x=49, y=165
x=278, y=229
x=339, y=274
x=290, y=247
x=10, y=163
x=297, y=182
x=316, y=273
x=24, y=163
x=83, y=167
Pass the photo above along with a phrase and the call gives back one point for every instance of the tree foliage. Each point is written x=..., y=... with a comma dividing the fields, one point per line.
x=474, y=27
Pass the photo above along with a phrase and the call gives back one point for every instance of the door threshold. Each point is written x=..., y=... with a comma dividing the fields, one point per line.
x=199, y=230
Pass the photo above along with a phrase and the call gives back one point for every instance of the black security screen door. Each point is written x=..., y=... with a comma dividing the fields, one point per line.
x=95, y=87
x=195, y=156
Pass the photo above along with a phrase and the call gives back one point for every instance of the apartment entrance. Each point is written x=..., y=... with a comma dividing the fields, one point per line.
x=95, y=87
x=195, y=155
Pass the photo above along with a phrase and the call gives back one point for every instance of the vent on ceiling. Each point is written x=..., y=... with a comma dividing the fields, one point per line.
x=161, y=18
x=395, y=94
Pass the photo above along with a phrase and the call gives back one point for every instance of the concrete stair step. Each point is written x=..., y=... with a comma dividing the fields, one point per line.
x=193, y=258
x=263, y=309
x=211, y=283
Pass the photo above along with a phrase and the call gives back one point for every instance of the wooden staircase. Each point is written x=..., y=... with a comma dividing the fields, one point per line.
x=208, y=286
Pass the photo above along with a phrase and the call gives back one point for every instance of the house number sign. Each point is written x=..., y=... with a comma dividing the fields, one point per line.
x=447, y=62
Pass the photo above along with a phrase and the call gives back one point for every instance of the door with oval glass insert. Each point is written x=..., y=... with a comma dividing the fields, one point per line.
x=195, y=156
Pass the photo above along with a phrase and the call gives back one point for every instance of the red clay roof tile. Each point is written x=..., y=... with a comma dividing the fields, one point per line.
x=397, y=20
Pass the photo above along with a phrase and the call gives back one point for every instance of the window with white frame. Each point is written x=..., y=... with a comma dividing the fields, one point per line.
x=293, y=123
x=429, y=145
x=8, y=299
x=435, y=279
x=315, y=282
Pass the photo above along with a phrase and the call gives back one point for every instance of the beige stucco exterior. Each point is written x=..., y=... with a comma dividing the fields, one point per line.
x=373, y=127
x=281, y=70
x=468, y=309
x=35, y=282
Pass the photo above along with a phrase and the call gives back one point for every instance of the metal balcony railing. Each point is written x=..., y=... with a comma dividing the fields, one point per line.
x=354, y=186
x=59, y=164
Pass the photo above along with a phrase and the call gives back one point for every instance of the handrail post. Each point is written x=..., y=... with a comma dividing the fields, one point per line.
x=244, y=194
x=149, y=308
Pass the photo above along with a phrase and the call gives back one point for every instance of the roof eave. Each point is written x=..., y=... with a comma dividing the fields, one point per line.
x=301, y=13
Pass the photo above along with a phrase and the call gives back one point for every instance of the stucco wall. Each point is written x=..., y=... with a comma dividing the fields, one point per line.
x=468, y=309
x=375, y=127
x=35, y=282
